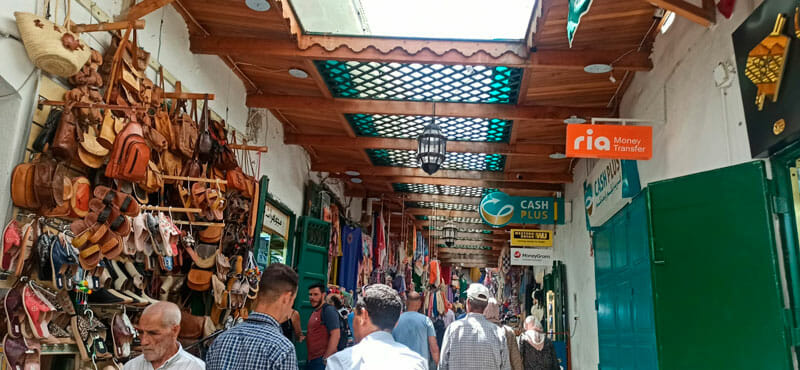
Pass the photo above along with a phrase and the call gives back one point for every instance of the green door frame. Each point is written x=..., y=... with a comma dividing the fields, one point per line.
x=787, y=212
x=265, y=196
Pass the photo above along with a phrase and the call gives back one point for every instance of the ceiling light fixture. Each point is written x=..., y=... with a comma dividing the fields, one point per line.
x=356, y=180
x=298, y=73
x=558, y=156
x=667, y=22
x=352, y=173
x=258, y=5
x=574, y=119
x=449, y=230
x=432, y=148
x=598, y=68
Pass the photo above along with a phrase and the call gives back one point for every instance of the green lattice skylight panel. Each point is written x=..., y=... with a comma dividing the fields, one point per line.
x=409, y=127
x=444, y=206
x=461, y=230
x=461, y=246
x=454, y=160
x=421, y=82
x=461, y=191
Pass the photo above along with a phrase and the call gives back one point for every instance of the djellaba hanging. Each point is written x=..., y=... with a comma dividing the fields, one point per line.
x=432, y=148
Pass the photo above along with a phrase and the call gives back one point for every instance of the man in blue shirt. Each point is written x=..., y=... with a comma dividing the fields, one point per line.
x=416, y=331
x=258, y=342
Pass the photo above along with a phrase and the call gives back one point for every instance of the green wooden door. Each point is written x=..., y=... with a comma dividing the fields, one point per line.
x=312, y=267
x=716, y=282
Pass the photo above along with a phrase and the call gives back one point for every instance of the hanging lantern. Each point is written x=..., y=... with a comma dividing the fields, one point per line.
x=449, y=231
x=432, y=147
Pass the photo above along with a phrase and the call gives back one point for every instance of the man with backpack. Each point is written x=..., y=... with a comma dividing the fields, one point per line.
x=344, y=328
x=324, y=331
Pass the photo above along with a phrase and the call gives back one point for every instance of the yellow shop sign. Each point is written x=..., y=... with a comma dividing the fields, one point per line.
x=531, y=238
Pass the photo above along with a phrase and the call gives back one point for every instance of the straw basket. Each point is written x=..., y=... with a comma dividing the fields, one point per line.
x=42, y=39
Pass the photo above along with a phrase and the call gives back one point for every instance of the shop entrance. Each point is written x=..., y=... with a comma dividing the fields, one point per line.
x=715, y=274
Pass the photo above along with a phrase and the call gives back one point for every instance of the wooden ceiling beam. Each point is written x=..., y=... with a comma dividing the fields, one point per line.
x=419, y=108
x=466, y=251
x=388, y=171
x=142, y=9
x=704, y=16
x=542, y=58
x=362, y=142
x=576, y=59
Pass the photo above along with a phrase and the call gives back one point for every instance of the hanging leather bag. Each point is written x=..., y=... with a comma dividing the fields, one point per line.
x=205, y=144
x=184, y=131
x=65, y=144
x=130, y=156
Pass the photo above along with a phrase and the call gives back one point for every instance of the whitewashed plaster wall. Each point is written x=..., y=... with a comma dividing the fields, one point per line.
x=697, y=127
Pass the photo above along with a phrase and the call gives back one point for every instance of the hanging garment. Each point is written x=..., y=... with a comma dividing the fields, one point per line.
x=348, y=265
x=447, y=276
x=379, y=242
x=435, y=273
x=474, y=275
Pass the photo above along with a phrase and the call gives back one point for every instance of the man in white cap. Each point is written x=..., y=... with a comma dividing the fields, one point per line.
x=474, y=342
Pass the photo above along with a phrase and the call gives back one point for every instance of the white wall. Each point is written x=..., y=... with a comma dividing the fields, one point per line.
x=691, y=134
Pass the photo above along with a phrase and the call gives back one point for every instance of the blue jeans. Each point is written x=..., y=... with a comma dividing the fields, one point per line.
x=315, y=364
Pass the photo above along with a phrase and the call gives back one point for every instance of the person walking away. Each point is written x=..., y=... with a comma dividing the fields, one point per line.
x=258, y=342
x=344, y=329
x=291, y=328
x=492, y=313
x=322, y=336
x=474, y=343
x=449, y=316
x=415, y=330
x=538, y=352
x=158, y=330
x=376, y=314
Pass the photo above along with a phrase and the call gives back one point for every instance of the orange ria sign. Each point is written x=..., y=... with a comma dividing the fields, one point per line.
x=609, y=141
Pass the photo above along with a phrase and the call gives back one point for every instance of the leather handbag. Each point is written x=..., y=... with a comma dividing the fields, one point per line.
x=211, y=234
x=130, y=156
x=198, y=279
x=65, y=144
x=205, y=144
x=184, y=132
x=237, y=179
x=153, y=181
x=43, y=169
x=157, y=141
x=48, y=132
x=191, y=326
x=171, y=165
x=22, y=180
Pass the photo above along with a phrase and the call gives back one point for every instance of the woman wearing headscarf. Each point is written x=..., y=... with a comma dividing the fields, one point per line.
x=492, y=313
x=538, y=352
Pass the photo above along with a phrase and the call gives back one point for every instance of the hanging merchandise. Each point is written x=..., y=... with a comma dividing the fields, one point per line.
x=334, y=249
x=126, y=197
x=348, y=266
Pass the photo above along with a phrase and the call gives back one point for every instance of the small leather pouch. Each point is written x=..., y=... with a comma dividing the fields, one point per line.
x=191, y=325
x=211, y=234
x=65, y=144
x=203, y=255
x=198, y=279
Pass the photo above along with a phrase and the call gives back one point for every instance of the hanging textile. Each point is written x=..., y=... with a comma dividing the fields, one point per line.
x=435, y=273
x=348, y=265
x=417, y=276
x=333, y=245
x=447, y=276
x=577, y=9
x=379, y=242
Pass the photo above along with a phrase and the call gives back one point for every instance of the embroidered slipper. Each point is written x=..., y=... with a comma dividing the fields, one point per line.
x=12, y=240
x=39, y=311
x=15, y=311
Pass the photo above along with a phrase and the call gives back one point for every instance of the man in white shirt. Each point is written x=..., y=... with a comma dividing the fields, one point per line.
x=376, y=314
x=158, y=329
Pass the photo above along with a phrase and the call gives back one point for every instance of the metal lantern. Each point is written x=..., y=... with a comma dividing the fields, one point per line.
x=432, y=148
x=449, y=231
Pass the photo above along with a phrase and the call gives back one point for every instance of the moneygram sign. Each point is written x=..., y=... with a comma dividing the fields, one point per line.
x=609, y=141
x=499, y=209
x=531, y=256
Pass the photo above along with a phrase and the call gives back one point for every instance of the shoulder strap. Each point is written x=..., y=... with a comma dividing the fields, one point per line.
x=206, y=113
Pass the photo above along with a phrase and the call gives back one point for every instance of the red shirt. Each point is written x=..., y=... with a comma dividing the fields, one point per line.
x=318, y=329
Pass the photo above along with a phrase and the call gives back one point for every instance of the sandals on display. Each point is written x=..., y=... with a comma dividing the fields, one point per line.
x=21, y=353
x=12, y=241
x=15, y=311
x=38, y=310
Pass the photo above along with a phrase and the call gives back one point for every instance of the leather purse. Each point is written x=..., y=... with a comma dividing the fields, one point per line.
x=205, y=144
x=43, y=169
x=198, y=279
x=237, y=180
x=211, y=234
x=48, y=132
x=153, y=181
x=171, y=165
x=157, y=141
x=184, y=132
x=65, y=144
x=22, y=180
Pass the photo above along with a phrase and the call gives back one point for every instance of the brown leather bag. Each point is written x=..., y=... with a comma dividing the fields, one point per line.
x=22, y=180
x=199, y=280
x=43, y=169
x=65, y=143
x=191, y=326
x=153, y=181
x=157, y=141
x=184, y=132
x=237, y=180
x=171, y=165
x=205, y=144
x=130, y=156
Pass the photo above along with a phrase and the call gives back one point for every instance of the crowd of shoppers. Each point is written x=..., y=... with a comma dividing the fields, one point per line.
x=386, y=337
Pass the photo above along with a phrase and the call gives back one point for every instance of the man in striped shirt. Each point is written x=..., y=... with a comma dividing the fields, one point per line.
x=258, y=342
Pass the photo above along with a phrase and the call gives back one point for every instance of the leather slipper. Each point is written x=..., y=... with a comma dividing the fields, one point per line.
x=111, y=245
x=12, y=240
x=79, y=325
x=28, y=240
x=156, y=239
x=124, y=202
x=60, y=261
x=44, y=245
x=20, y=353
x=108, y=214
x=39, y=311
x=141, y=235
x=15, y=312
x=121, y=335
